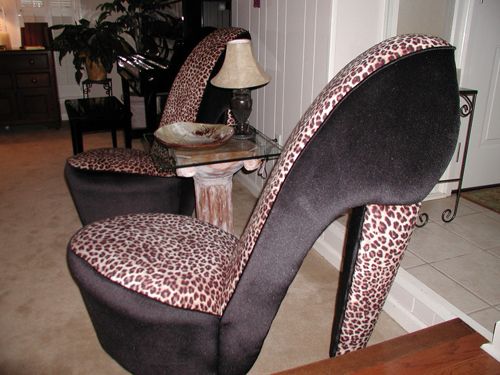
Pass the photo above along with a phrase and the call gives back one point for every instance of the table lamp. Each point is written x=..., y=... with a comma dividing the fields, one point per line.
x=240, y=72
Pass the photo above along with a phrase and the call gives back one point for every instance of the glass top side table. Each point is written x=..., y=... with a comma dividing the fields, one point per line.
x=212, y=170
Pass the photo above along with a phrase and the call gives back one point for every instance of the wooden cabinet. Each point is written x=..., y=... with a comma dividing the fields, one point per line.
x=28, y=88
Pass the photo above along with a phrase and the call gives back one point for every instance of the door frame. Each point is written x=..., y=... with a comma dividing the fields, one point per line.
x=459, y=38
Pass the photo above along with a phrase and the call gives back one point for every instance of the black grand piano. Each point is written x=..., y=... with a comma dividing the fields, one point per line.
x=148, y=76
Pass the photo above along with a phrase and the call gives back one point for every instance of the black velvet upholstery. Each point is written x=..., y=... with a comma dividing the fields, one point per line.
x=141, y=333
x=387, y=142
x=98, y=195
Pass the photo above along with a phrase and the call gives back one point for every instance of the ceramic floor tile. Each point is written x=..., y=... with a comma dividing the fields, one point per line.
x=478, y=273
x=411, y=260
x=448, y=289
x=495, y=251
x=433, y=243
x=478, y=229
x=487, y=317
x=494, y=215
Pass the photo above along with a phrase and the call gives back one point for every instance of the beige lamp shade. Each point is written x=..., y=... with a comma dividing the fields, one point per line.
x=240, y=70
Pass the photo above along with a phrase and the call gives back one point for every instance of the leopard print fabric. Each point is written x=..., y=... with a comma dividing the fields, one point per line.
x=385, y=236
x=117, y=160
x=185, y=95
x=183, y=266
x=223, y=284
x=183, y=103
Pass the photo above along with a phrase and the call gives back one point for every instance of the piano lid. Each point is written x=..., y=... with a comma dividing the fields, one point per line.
x=138, y=64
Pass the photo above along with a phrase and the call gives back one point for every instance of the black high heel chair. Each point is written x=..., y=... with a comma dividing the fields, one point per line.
x=116, y=181
x=171, y=294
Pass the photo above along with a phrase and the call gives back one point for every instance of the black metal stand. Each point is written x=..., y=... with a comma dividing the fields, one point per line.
x=466, y=110
x=107, y=84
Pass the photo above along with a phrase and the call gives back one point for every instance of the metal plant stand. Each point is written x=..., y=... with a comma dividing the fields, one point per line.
x=107, y=84
x=468, y=97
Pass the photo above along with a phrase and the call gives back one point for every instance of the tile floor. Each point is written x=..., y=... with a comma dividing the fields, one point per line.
x=460, y=260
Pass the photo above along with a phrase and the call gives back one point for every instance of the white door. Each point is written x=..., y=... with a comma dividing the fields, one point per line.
x=481, y=71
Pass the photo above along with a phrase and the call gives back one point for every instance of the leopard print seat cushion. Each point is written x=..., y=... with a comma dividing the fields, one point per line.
x=183, y=103
x=118, y=160
x=184, y=266
x=348, y=78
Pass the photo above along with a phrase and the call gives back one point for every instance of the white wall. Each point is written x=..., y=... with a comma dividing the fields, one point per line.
x=12, y=23
x=302, y=44
x=356, y=26
x=291, y=41
x=434, y=17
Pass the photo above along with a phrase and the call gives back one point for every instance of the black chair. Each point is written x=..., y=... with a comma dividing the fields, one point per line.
x=109, y=182
x=171, y=294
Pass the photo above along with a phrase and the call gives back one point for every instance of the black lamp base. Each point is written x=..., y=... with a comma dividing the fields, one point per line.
x=243, y=131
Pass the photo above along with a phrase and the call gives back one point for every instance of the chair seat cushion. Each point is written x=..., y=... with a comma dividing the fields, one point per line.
x=177, y=260
x=120, y=160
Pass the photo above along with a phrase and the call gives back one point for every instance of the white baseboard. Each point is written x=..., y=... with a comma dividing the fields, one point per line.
x=410, y=303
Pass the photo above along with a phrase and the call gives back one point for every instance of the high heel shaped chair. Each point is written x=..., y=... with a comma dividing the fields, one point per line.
x=169, y=294
x=113, y=181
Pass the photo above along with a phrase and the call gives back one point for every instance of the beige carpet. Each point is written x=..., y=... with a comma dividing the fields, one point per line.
x=44, y=328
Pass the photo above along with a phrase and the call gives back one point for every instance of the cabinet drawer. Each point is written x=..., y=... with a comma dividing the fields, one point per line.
x=6, y=81
x=27, y=80
x=21, y=62
x=36, y=104
x=7, y=107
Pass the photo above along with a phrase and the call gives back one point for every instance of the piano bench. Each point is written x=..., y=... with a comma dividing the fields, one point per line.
x=97, y=114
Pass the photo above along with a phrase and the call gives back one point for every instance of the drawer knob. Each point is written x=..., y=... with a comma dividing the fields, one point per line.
x=31, y=61
x=34, y=80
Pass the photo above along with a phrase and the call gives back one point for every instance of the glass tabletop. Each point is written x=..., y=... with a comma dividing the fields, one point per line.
x=259, y=146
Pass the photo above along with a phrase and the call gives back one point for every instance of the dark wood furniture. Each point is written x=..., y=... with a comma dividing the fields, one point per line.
x=97, y=114
x=28, y=88
x=36, y=34
x=447, y=348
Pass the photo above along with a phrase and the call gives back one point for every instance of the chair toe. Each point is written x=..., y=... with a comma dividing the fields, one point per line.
x=154, y=286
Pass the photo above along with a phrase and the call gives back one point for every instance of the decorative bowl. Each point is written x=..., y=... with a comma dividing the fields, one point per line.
x=193, y=135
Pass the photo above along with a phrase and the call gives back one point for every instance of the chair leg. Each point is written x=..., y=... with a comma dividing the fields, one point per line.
x=113, y=137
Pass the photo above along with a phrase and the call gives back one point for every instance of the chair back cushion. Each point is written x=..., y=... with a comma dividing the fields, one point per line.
x=188, y=89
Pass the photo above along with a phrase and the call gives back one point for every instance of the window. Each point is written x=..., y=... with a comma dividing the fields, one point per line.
x=50, y=11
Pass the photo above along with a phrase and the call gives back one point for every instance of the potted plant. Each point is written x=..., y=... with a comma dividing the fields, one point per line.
x=150, y=23
x=95, y=46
